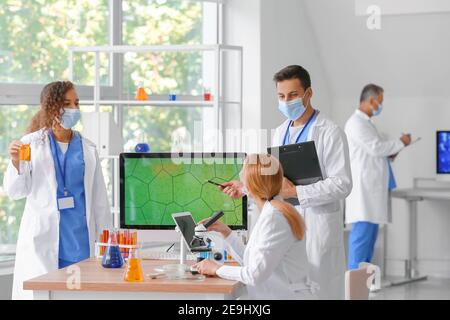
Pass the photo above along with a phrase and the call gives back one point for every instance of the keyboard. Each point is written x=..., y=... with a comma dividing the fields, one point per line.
x=159, y=255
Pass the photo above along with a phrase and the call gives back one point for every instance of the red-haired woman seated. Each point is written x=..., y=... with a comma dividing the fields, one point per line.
x=273, y=264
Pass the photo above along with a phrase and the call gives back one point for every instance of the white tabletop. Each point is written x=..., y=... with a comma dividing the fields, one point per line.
x=422, y=193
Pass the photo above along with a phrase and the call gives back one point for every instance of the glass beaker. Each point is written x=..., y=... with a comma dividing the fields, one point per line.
x=25, y=152
x=133, y=269
x=112, y=257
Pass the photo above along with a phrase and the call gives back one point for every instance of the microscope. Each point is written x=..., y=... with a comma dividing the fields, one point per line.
x=201, y=243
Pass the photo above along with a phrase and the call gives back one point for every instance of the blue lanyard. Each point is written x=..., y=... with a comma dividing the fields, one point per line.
x=301, y=132
x=63, y=173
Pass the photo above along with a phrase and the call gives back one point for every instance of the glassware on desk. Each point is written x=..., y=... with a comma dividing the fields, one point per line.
x=112, y=257
x=127, y=241
x=175, y=271
x=133, y=269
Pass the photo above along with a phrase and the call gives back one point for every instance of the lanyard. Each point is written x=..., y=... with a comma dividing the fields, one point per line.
x=63, y=173
x=301, y=132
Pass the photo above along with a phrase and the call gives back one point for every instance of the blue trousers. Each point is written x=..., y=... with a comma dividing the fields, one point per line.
x=361, y=243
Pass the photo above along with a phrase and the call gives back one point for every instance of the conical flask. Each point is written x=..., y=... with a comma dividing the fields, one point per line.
x=133, y=269
x=141, y=95
x=112, y=257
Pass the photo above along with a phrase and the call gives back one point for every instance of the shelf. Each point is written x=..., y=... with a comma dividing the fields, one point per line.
x=156, y=103
x=156, y=48
x=159, y=103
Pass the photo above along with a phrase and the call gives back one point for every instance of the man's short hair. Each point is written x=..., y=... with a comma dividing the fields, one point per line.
x=294, y=72
x=370, y=90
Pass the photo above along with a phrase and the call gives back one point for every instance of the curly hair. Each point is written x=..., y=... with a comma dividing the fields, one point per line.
x=52, y=102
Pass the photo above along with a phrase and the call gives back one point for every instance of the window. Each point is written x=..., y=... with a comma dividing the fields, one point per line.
x=34, y=51
x=35, y=36
x=156, y=126
x=163, y=22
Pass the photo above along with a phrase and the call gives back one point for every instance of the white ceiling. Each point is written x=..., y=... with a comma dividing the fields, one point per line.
x=409, y=56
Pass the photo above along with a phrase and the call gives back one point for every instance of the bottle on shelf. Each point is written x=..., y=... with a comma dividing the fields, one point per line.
x=207, y=96
x=142, y=145
x=172, y=97
x=141, y=95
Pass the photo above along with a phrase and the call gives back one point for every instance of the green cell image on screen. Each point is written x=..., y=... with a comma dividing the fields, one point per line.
x=155, y=188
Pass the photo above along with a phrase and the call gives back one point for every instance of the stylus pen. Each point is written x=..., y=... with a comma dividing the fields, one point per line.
x=217, y=184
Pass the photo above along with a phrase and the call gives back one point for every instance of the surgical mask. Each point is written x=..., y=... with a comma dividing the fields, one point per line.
x=70, y=117
x=377, y=112
x=292, y=109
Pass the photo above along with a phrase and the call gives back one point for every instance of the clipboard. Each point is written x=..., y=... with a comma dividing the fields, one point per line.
x=300, y=164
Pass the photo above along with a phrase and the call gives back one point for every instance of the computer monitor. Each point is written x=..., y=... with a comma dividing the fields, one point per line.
x=153, y=186
x=443, y=152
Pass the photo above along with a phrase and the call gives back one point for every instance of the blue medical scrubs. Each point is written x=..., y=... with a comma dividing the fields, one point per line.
x=73, y=230
x=362, y=238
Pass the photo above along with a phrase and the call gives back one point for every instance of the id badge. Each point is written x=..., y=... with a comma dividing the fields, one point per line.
x=66, y=202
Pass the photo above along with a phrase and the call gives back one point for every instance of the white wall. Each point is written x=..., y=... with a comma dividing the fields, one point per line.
x=287, y=38
x=273, y=36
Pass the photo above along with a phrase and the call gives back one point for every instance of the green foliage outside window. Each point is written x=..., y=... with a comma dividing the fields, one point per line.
x=34, y=39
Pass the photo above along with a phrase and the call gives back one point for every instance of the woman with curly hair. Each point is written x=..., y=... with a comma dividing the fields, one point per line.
x=67, y=204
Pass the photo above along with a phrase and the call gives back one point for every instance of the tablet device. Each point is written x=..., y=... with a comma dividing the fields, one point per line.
x=300, y=164
x=186, y=224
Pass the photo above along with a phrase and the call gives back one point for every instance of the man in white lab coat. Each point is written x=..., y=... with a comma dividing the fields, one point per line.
x=370, y=157
x=319, y=202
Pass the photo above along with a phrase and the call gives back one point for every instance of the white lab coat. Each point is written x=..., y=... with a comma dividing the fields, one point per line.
x=320, y=204
x=368, y=200
x=274, y=264
x=38, y=240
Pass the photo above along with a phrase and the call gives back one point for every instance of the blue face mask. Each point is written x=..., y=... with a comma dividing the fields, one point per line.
x=378, y=111
x=70, y=117
x=292, y=109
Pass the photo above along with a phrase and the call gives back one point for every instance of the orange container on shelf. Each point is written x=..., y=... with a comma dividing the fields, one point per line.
x=141, y=95
x=25, y=152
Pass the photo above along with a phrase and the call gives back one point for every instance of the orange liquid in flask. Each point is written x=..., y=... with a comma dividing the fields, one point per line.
x=133, y=272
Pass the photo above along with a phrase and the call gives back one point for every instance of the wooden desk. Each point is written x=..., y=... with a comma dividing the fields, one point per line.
x=100, y=283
